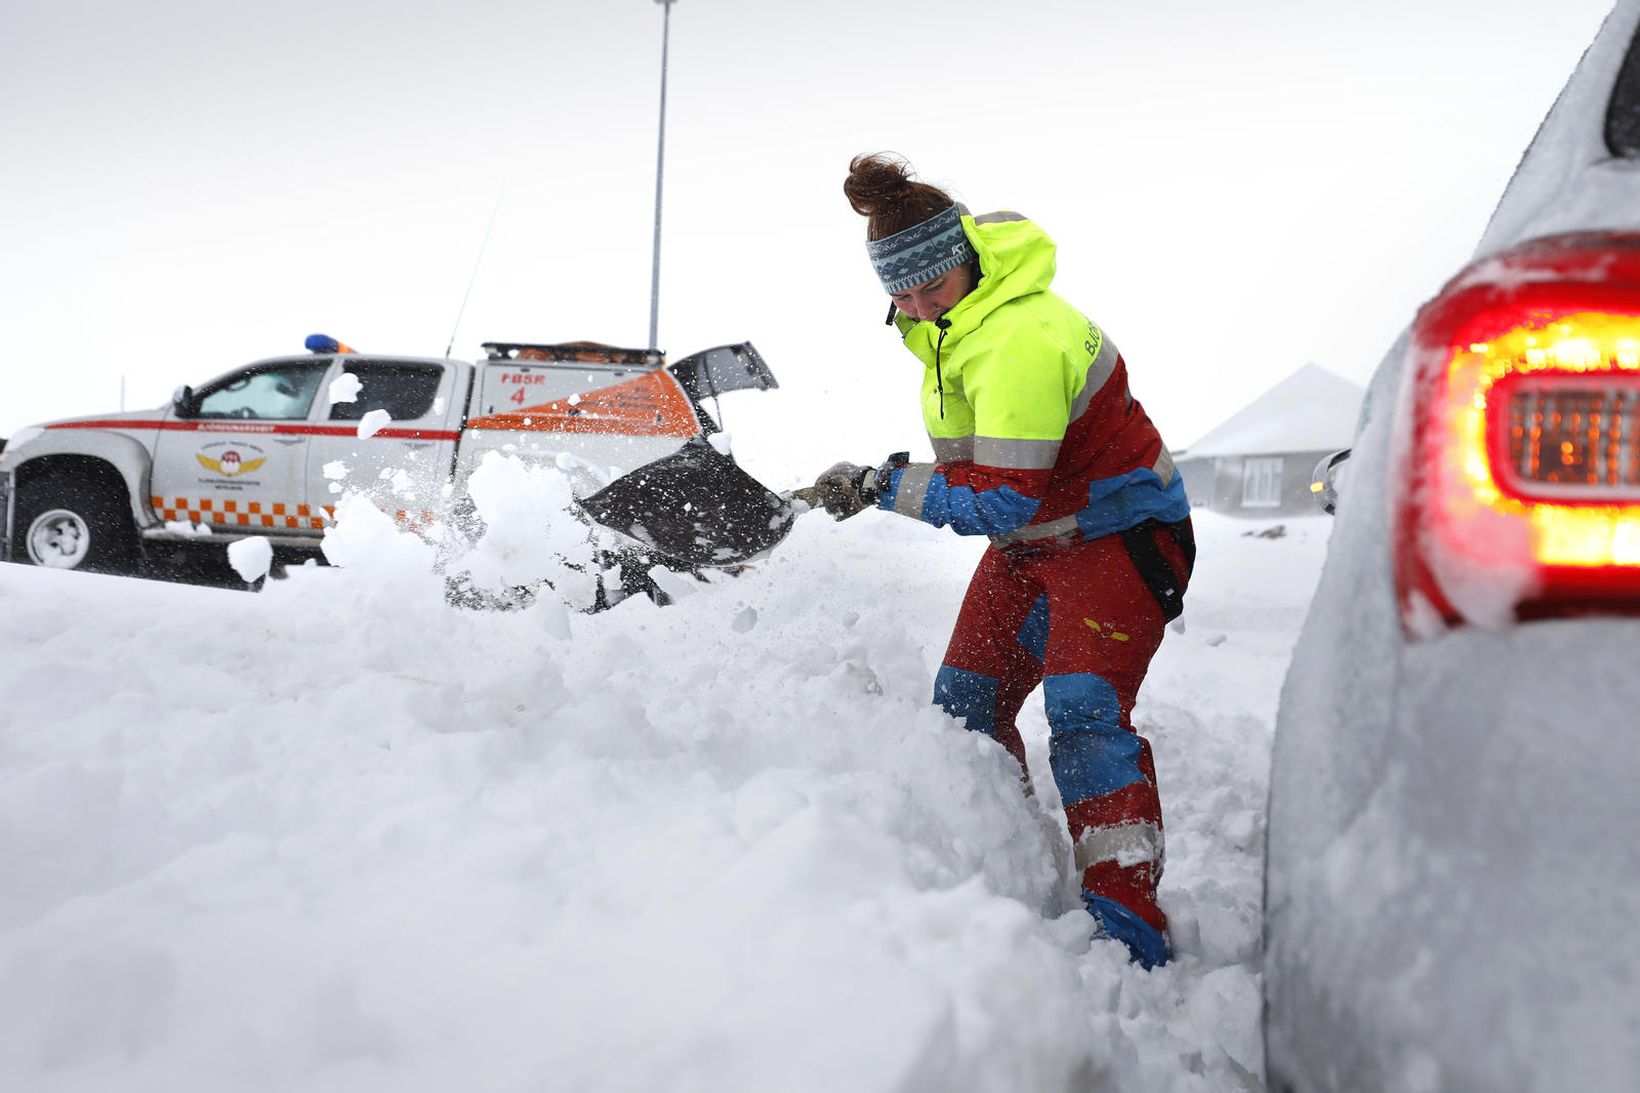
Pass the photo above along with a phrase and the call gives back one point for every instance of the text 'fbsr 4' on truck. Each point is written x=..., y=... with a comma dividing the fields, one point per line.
x=248, y=452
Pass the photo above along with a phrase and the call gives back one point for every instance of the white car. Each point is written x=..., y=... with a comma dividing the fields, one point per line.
x=1453, y=883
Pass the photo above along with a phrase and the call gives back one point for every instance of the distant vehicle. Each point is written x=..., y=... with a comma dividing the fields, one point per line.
x=248, y=452
x=1324, y=482
x=1453, y=877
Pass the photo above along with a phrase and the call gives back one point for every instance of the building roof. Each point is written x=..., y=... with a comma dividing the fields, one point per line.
x=1311, y=410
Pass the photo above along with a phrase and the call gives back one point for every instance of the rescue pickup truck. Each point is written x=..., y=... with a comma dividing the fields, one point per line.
x=256, y=451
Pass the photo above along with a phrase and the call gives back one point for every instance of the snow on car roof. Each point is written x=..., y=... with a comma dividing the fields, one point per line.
x=1554, y=188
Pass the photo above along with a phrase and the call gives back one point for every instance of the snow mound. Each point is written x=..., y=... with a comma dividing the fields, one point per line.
x=341, y=835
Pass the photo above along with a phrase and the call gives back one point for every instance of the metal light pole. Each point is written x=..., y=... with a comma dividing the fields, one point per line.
x=660, y=164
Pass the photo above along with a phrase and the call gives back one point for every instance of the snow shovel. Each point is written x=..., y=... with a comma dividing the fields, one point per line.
x=695, y=506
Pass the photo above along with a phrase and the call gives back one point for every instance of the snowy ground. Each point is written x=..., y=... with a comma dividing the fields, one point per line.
x=341, y=836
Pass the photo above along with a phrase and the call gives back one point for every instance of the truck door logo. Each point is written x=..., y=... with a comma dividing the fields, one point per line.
x=230, y=462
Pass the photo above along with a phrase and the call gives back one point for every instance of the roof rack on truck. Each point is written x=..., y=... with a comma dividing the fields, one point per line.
x=579, y=352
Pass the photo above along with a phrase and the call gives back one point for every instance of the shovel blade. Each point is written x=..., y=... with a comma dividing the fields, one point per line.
x=695, y=506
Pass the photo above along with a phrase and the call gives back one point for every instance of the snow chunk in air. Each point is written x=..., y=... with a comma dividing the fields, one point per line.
x=251, y=558
x=345, y=388
x=373, y=422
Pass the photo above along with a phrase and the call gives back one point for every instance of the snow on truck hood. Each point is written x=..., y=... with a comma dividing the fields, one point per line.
x=116, y=420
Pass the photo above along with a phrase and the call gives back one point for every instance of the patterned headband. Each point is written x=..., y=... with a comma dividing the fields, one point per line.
x=921, y=252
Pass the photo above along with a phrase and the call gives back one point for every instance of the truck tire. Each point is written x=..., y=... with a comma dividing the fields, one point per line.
x=69, y=522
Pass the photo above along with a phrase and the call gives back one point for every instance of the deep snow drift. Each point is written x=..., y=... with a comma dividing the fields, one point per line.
x=341, y=836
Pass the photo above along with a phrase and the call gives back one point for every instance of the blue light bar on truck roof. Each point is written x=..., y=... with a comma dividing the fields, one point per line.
x=324, y=343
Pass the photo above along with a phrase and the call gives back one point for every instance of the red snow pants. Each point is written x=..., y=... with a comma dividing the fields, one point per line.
x=1082, y=622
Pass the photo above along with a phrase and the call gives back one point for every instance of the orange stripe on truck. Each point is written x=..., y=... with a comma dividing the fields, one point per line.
x=204, y=511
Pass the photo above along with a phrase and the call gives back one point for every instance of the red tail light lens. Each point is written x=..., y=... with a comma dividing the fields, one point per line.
x=1520, y=460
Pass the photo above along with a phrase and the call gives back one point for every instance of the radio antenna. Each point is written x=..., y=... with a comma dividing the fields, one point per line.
x=476, y=263
x=660, y=163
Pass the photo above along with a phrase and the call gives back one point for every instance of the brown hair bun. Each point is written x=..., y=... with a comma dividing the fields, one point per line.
x=881, y=188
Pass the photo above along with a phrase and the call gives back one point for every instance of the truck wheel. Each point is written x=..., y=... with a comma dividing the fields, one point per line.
x=70, y=523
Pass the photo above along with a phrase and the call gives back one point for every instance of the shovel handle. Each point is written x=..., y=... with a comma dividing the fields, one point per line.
x=809, y=495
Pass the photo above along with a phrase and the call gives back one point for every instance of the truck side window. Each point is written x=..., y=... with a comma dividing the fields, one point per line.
x=405, y=391
x=281, y=392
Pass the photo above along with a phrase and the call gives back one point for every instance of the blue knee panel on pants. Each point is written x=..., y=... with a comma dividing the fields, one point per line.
x=968, y=695
x=1089, y=750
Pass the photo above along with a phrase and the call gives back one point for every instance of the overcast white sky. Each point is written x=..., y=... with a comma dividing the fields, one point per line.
x=1236, y=189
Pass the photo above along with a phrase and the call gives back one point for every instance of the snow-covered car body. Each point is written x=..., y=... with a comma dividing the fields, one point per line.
x=1453, y=879
x=266, y=448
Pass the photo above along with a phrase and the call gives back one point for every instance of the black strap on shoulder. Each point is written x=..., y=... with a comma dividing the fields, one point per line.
x=1185, y=534
x=1154, y=570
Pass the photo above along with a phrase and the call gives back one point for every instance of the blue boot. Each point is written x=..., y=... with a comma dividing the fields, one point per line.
x=1146, y=944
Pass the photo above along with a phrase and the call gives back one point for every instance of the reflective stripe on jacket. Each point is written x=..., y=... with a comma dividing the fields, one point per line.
x=1026, y=403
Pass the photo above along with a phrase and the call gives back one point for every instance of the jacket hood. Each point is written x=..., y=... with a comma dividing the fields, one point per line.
x=1016, y=258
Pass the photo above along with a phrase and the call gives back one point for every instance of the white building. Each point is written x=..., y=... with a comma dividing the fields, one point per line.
x=1260, y=461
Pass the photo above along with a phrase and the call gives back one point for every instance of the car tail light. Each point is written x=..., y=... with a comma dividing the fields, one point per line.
x=1520, y=456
